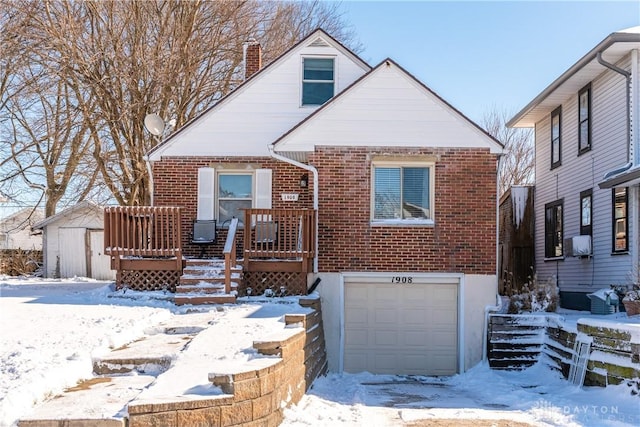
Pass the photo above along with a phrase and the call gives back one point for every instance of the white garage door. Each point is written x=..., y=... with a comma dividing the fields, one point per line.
x=404, y=329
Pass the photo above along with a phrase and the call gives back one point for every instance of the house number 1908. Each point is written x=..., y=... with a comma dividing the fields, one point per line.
x=402, y=279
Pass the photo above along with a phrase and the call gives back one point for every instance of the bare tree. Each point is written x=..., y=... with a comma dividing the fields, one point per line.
x=518, y=164
x=119, y=61
x=44, y=136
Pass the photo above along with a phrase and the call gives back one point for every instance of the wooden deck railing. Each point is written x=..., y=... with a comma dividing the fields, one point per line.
x=142, y=231
x=285, y=234
x=229, y=252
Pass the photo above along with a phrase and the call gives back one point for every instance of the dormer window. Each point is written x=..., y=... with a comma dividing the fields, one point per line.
x=317, y=80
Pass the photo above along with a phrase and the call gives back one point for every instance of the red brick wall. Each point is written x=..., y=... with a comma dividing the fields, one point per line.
x=176, y=184
x=462, y=240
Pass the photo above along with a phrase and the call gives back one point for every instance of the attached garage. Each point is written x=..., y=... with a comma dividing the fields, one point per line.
x=402, y=324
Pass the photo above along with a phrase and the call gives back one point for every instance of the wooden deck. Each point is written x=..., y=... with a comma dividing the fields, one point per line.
x=145, y=245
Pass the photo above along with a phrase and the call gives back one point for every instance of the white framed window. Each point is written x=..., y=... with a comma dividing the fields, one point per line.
x=318, y=80
x=234, y=193
x=224, y=193
x=402, y=193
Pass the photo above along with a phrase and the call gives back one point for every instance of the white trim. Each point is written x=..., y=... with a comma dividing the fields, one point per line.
x=425, y=279
x=302, y=81
x=403, y=221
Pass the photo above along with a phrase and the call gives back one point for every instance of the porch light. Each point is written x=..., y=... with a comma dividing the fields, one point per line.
x=304, y=181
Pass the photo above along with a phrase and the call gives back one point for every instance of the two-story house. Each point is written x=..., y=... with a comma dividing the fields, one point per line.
x=387, y=189
x=587, y=148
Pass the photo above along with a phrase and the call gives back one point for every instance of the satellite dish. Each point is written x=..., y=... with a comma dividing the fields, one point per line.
x=154, y=124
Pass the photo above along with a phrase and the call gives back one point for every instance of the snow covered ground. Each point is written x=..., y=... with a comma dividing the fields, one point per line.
x=51, y=329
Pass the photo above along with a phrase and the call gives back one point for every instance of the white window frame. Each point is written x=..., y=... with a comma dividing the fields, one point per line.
x=208, y=200
x=303, y=81
x=404, y=164
x=220, y=172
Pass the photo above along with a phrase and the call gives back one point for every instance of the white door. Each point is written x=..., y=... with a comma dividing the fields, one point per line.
x=100, y=263
x=72, y=252
x=403, y=328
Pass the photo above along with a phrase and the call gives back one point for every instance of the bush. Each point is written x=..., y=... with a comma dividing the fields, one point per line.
x=536, y=296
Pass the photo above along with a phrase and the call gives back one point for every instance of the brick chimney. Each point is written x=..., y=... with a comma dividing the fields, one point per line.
x=252, y=58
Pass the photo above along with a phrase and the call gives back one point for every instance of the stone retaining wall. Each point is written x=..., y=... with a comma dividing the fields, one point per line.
x=257, y=395
x=614, y=355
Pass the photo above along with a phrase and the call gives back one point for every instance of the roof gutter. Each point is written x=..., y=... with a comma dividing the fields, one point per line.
x=601, y=47
x=627, y=75
x=314, y=171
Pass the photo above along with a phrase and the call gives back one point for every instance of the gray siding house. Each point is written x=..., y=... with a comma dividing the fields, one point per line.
x=587, y=144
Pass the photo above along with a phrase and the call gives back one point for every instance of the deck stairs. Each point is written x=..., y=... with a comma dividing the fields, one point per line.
x=202, y=282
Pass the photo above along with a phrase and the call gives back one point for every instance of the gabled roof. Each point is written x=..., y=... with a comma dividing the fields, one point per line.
x=25, y=216
x=435, y=109
x=87, y=204
x=318, y=37
x=613, y=48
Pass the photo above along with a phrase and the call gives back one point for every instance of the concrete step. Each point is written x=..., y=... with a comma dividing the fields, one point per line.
x=151, y=355
x=205, y=262
x=98, y=402
x=198, y=299
x=204, y=288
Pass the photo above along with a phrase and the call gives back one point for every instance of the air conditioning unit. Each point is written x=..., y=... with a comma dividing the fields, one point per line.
x=579, y=246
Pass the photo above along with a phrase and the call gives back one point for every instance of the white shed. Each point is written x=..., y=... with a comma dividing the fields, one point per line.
x=73, y=243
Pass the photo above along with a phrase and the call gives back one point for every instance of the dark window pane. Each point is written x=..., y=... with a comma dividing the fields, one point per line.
x=232, y=208
x=584, y=135
x=316, y=93
x=387, y=193
x=234, y=186
x=415, y=183
x=318, y=69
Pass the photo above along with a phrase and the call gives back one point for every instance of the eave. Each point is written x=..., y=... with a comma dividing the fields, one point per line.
x=613, y=49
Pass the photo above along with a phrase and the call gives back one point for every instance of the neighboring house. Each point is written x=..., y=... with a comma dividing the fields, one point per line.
x=73, y=243
x=15, y=230
x=587, y=170
x=515, y=239
x=403, y=184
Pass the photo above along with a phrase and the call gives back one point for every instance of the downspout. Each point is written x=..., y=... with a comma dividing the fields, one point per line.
x=314, y=171
x=150, y=171
x=491, y=308
x=627, y=75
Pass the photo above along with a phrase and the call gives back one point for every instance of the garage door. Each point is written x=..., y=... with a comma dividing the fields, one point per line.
x=404, y=329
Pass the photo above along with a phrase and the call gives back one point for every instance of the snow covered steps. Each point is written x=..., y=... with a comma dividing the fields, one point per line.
x=121, y=376
x=202, y=282
x=515, y=342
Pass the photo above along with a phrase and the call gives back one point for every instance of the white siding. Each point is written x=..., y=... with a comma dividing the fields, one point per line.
x=85, y=217
x=99, y=262
x=579, y=173
x=259, y=112
x=73, y=253
x=387, y=108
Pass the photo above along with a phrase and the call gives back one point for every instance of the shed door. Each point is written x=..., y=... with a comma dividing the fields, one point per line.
x=72, y=252
x=403, y=329
x=100, y=263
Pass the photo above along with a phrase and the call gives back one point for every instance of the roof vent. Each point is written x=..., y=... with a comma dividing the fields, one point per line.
x=319, y=42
